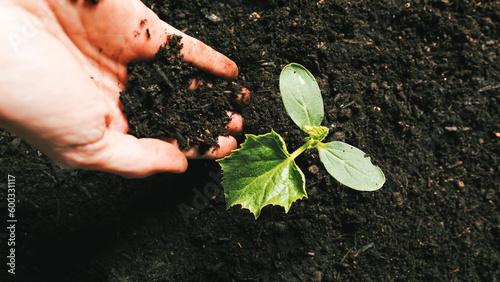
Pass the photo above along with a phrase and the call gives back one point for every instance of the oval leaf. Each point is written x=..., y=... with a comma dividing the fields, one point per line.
x=262, y=173
x=301, y=96
x=351, y=166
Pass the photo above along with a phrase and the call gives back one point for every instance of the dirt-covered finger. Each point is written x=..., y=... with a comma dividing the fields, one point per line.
x=203, y=56
x=235, y=125
x=226, y=144
x=244, y=95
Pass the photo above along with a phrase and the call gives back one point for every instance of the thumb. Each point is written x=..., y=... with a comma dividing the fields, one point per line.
x=126, y=155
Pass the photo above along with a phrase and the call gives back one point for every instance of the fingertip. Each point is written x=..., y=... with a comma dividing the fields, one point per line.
x=244, y=95
x=194, y=83
x=226, y=144
x=203, y=56
x=235, y=125
x=208, y=59
x=164, y=156
x=230, y=69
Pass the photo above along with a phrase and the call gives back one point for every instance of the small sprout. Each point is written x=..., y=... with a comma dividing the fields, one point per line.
x=262, y=172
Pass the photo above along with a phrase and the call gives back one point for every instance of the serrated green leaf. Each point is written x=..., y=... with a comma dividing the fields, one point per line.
x=351, y=166
x=301, y=96
x=262, y=173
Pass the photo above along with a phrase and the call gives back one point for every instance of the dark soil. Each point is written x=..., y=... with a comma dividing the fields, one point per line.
x=414, y=84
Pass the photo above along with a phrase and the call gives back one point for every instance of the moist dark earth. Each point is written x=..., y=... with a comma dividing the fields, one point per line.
x=414, y=84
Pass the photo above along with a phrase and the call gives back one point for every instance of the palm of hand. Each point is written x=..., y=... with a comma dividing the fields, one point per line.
x=64, y=82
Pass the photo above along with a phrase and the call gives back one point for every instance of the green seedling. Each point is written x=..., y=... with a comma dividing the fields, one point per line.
x=262, y=172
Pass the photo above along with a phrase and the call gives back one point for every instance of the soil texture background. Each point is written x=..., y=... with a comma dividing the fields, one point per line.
x=414, y=84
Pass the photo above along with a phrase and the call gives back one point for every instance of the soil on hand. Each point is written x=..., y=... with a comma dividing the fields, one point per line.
x=415, y=84
x=158, y=104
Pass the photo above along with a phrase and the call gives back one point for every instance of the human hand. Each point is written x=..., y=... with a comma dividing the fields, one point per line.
x=64, y=64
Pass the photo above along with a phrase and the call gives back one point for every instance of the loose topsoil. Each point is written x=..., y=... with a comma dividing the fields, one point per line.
x=415, y=84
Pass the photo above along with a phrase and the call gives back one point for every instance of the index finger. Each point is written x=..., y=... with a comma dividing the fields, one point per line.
x=194, y=51
x=203, y=56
